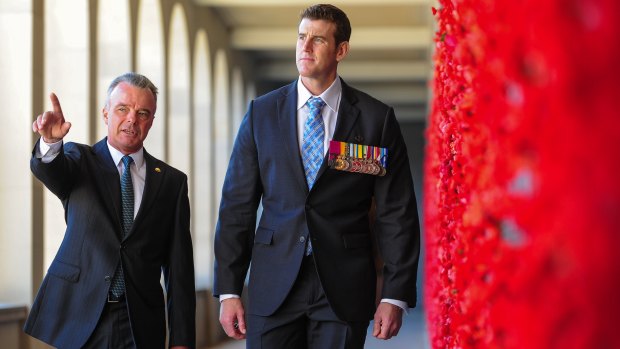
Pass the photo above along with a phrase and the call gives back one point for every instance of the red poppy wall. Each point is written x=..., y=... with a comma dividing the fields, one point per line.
x=522, y=178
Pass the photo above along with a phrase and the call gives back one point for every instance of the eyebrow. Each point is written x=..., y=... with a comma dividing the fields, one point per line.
x=313, y=36
x=128, y=105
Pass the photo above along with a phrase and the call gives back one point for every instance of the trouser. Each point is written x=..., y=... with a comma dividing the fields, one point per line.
x=305, y=320
x=113, y=331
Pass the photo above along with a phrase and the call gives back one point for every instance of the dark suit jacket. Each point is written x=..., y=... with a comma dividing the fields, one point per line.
x=266, y=164
x=73, y=293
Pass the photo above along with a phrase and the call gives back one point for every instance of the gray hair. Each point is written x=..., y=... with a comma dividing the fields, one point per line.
x=133, y=79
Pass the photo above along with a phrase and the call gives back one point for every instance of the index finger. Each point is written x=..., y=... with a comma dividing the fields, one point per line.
x=55, y=103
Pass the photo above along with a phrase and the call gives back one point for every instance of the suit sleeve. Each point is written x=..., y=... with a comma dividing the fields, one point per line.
x=59, y=174
x=241, y=193
x=397, y=225
x=179, y=276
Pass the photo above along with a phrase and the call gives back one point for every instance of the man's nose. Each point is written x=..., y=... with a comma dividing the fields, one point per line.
x=131, y=116
x=307, y=44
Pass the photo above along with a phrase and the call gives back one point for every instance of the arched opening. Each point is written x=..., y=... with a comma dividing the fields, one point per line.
x=150, y=62
x=178, y=123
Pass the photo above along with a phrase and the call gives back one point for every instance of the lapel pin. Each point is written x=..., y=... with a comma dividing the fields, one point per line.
x=157, y=169
x=359, y=139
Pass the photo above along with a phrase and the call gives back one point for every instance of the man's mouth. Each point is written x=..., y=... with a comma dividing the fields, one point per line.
x=129, y=132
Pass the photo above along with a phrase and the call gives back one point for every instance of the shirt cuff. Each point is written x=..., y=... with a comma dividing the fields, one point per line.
x=47, y=152
x=400, y=304
x=228, y=296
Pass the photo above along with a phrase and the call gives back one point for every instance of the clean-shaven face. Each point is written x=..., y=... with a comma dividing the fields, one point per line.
x=317, y=55
x=129, y=115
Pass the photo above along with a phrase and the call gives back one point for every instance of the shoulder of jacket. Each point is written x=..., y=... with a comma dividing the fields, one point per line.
x=161, y=165
x=363, y=97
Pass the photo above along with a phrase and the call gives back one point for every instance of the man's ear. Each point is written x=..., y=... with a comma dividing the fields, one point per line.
x=342, y=50
x=104, y=112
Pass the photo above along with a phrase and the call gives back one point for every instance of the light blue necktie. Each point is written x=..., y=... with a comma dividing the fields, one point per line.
x=312, y=152
x=117, y=288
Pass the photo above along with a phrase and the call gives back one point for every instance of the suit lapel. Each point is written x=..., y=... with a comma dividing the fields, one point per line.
x=287, y=121
x=153, y=180
x=347, y=113
x=109, y=181
x=347, y=116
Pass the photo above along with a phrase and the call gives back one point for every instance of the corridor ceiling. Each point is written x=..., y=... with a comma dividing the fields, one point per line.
x=390, y=55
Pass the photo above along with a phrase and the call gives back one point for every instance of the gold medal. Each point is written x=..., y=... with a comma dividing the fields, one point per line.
x=340, y=163
x=346, y=163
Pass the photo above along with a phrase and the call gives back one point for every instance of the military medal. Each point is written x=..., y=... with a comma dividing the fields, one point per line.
x=356, y=165
x=368, y=169
x=341, y=163
x=357, y=158
x=375, y=168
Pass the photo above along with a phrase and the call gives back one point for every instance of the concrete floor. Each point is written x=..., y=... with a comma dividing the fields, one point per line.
x=413, y=335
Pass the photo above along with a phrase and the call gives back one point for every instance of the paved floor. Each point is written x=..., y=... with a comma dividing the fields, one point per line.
x=413, y=335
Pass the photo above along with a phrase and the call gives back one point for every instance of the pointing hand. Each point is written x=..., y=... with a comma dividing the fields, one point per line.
x=51, y=125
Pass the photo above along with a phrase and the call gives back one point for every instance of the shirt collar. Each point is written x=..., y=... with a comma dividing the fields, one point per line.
x=331, y=96
x=138, y=157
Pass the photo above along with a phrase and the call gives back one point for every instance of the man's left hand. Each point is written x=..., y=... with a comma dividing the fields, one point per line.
x=388, y=320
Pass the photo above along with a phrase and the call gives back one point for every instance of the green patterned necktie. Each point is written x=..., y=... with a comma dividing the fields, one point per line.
x=117, y=288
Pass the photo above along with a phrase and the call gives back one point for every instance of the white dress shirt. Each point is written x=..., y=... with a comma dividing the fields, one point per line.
x=331, y=97
x=138, y=173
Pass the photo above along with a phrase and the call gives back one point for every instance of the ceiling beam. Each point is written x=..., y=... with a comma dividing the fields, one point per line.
x=386, y=70
x=262, y=3
x=376, y=38
x=408, y=113
x=416, y=94
x=355, y=71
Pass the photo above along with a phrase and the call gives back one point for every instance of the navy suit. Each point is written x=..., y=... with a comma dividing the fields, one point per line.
x=266, y=165
x=73, y=294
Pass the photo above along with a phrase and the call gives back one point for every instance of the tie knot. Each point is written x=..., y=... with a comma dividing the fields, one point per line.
x=315, y=104
x=127, y=160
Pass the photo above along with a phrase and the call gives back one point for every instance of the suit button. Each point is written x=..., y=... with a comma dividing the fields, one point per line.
x=302, y=239
x=107, y=278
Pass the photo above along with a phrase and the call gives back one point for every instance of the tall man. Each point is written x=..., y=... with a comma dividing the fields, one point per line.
x=127, y=216
x=312, y=280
